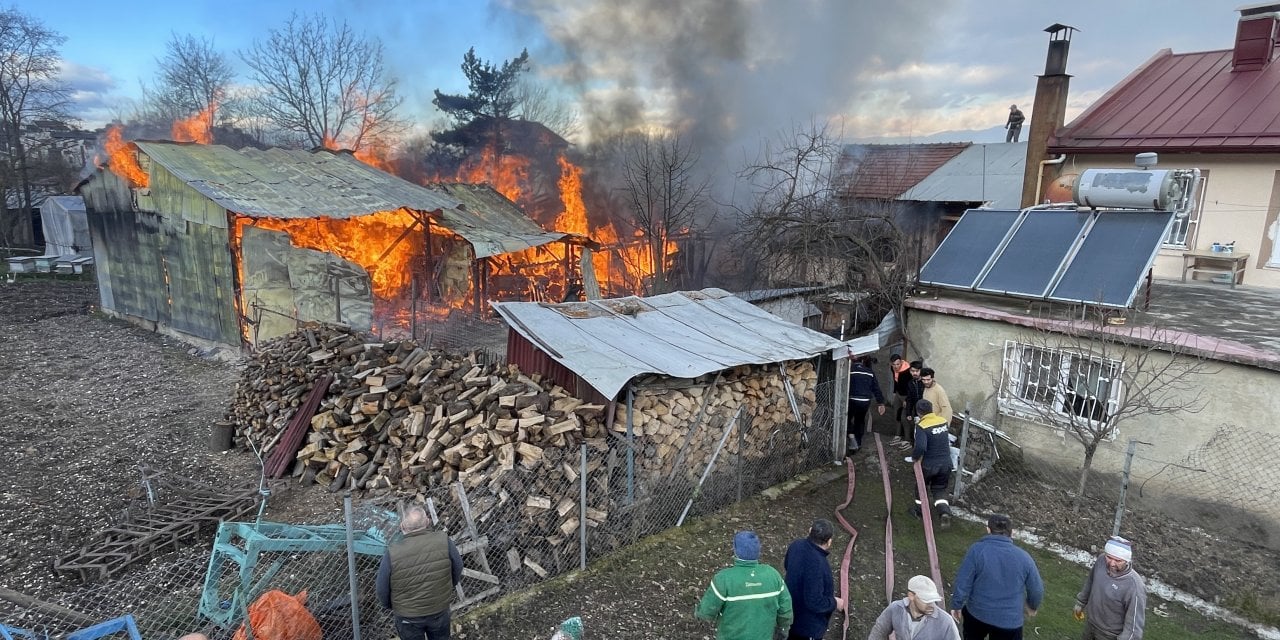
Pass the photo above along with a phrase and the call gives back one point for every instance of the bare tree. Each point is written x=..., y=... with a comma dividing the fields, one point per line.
x=324, y=82
x=1086, y=378
x=800, y=229
x=30, y=90
x=536, y=102
x=193, y=78
x=663, y=192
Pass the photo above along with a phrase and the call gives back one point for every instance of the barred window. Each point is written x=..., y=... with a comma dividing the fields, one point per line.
x=1059, y=387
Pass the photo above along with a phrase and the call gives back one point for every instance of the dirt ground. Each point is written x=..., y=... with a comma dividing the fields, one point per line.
x=85, y=400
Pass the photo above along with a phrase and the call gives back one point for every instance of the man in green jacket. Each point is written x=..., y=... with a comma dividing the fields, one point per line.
x=748, y=600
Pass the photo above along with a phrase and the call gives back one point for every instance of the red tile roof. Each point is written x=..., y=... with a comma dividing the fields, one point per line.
x=886, y=171
x=1189, y=102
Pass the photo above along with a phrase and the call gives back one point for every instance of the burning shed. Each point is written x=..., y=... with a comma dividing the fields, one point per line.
x=222, y=245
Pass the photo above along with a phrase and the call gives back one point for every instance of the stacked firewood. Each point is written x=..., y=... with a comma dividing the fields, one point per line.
x=400, y=418
x=681, y=426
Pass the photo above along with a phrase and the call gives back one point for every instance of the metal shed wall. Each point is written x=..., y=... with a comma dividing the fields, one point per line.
x=169, y=264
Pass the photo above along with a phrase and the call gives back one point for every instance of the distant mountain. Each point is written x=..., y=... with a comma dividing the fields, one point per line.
x=994, y=134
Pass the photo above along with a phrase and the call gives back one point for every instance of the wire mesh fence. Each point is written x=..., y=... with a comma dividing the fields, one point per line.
x=513, y=529
x=1217, y=496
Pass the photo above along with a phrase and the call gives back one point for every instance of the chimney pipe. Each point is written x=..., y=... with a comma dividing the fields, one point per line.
x=1050, y=110
x=1257, y=36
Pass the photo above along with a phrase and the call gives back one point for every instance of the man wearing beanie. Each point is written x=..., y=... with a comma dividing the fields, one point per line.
x=1113, y=601
x=809, y=581
x=919, y=616
x=748, y=600
x=997, y=586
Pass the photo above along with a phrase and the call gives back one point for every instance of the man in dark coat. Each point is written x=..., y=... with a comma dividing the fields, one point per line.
x=416, y=578
x=810, y=583
x=863, y=388
x=933, y=450
x=911, y=388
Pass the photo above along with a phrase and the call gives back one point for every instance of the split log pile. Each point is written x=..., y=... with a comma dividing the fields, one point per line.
x=679, y=426
x=402, y=419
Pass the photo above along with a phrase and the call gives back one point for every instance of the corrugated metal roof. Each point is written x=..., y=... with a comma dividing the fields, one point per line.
x=1190, y=102
x=886, y=171
x=990, y=173
x=276, y=183
x=760, y=295
x=683, y=335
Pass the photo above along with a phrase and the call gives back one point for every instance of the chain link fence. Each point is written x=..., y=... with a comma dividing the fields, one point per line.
x=1175, y=510
x=513, y=529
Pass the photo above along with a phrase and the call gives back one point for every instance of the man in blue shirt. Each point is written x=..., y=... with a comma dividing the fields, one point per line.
x=997, y=585
x=810, y=583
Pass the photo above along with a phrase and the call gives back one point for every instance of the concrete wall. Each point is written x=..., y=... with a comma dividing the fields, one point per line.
x=1234, y=439
x=1241, y=202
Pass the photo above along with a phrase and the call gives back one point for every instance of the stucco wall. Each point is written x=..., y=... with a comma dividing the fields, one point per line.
x=1240, y=203
x=1233, y=434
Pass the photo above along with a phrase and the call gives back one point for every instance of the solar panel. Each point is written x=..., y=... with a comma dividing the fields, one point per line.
x=1113, y=259
x=959, y=260
x=1034, y=255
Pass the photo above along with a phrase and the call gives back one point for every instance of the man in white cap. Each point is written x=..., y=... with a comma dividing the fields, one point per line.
x=917, y=616
x=1113, y=601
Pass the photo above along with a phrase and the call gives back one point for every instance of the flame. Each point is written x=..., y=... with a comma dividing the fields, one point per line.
x=383, y=243
x=121, y=158
x=198, y=128
x=507, y=174
x=376, y=154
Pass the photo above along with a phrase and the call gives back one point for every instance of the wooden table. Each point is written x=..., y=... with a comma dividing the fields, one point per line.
x=1232, y=264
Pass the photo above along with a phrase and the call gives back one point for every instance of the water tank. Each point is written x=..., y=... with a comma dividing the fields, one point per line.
x=1128, y=189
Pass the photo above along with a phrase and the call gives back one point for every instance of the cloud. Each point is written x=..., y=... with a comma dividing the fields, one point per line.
x=92, y=92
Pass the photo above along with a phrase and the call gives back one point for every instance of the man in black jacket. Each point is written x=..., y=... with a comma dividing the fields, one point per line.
x=416, y=578
x=1014, y=124
x=810, y=583
x=911, y=388
x=862, y=388
x=933, y=450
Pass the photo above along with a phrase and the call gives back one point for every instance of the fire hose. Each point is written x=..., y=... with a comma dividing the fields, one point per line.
x=926, y=513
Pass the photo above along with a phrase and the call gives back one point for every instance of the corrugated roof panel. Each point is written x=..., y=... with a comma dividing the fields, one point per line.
x=684, y=335
x=990, y=173
x=276, y=183
x=885, y=171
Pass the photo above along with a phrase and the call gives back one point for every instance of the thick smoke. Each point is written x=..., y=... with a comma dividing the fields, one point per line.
x=726, y=73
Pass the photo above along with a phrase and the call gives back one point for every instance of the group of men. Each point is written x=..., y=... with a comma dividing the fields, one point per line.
x=996, y=588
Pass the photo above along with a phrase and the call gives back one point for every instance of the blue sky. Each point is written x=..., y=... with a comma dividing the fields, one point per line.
x=893, y=68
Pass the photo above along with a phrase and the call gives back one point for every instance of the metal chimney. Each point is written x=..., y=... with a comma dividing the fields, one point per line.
x=1050, y=110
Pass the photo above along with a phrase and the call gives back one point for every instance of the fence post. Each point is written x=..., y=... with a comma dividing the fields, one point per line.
x=631, y=446
x=351, y=566
x=964, y=450
x=582, y=519
x=840, y=408
x=742, y=441
x=1124, y=485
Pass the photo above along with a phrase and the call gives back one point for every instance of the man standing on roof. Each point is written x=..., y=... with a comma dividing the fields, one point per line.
x=1113, y=601
x=933, y=450
x=862, y=387
x=919, y=616
x=748, y=600
x=997, y=586
x=1014, y=125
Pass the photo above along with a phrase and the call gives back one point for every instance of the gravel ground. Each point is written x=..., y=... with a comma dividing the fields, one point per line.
x=85, y=401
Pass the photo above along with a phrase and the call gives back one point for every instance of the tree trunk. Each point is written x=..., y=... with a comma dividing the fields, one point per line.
x=1089, y=450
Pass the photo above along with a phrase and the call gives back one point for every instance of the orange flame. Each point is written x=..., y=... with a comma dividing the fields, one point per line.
x=198, y=128
x=383, y=243
x=121, y=158
x=507, y=174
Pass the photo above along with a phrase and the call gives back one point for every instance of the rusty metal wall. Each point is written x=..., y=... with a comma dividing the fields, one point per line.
x=531, y=359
